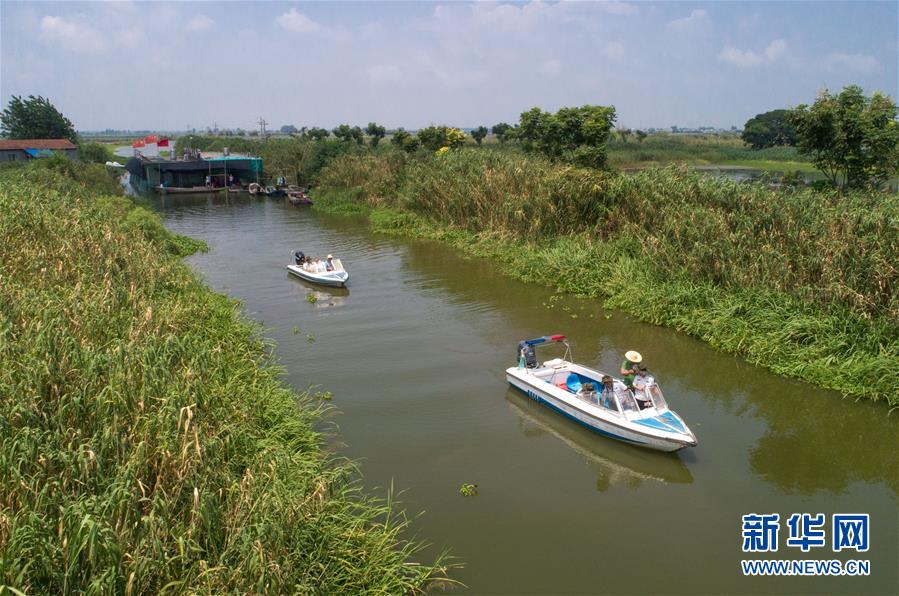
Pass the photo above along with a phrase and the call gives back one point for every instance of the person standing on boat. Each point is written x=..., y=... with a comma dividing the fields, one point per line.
x=629, y=367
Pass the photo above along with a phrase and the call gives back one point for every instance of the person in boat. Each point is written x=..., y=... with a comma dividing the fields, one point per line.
x=607, y=395
x=329, y=263
x=629, y=367
x=643, y=399
x=588, y=392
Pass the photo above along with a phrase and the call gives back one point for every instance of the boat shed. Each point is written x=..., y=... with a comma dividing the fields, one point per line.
x=25, y=149
x=148, y=173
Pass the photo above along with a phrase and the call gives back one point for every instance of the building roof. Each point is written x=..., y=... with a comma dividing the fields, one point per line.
x=23, y=144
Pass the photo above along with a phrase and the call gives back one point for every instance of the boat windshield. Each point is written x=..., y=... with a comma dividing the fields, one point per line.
x=626, y=400
x=658, y=400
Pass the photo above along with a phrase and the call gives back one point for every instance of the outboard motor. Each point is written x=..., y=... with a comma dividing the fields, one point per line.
x=530, y=355
x=300, y=257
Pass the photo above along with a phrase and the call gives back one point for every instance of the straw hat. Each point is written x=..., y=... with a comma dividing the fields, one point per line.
x=329, y=257
x=633, y=356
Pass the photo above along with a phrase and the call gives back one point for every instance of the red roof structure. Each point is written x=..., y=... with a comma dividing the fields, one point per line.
x=23, y=144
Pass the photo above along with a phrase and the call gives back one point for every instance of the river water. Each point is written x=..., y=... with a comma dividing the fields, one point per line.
x=414, y=352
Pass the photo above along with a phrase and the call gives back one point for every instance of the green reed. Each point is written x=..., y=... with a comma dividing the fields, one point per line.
x=147, y=443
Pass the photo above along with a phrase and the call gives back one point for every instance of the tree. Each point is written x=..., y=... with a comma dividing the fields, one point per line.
x=404, y=141
x=478, y=134
x=624, y=133
x=501, y=131
x=577, y=135
x=640, y=136
x=288, y=129
x=769, y=130
x=35, y=118
x=346, y=133
x=318, y=134
x=849, y=136
x=376, y=132
x=436, y=137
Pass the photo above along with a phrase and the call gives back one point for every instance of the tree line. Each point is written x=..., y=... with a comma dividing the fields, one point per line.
x=850, y=137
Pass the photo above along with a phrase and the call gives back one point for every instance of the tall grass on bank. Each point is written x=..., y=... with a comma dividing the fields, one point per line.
x=802, y=282
x=146, y=442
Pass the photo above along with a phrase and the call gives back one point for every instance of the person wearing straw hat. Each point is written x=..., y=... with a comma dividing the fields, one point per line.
x=629, y=367
x=329, y=265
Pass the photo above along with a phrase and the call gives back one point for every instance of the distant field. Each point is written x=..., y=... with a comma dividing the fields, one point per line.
x=702, y=149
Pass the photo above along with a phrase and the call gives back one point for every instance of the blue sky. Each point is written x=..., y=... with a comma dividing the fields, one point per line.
x=166, y=65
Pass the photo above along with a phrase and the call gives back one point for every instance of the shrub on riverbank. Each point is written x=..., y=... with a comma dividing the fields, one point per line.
x=804, y=283
x=146, y=441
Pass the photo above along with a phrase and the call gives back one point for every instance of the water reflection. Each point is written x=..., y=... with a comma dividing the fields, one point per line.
x=614, y=464
x=319, y=296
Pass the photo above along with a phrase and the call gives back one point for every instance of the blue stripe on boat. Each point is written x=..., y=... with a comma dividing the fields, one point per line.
x=652, y=423
x=578, y=420
x=673, y=421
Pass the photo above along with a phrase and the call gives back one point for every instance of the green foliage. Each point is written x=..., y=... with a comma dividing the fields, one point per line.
x=851, y=138
x=468, y=490
x=95, y=153
x=502, y=131
x=479, y=134
x=376, y=132
x=807, y=281
x=318, y=134
x=346, y=133
x=35, y=118
x=437, y=137
x=624, y=133
x=404, y=141
x=770, y=129
x=147, y=442
x=576, y=135
x=711, y=148
x=640, y=136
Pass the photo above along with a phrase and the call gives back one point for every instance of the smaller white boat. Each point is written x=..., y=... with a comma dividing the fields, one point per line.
x=327, y=272
x=599, y=401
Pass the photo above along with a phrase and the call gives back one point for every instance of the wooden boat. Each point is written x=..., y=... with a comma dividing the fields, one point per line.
x=317, y=271
x=598, y=401
x=256, y=189
x=298, y=198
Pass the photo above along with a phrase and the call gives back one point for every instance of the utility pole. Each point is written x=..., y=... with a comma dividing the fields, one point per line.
x=262, y=124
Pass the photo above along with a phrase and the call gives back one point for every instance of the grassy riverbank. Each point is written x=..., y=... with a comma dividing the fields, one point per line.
x=147, y=444
x=800, y=282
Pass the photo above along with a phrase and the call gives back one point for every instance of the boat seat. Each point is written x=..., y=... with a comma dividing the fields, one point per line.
x=573, y=383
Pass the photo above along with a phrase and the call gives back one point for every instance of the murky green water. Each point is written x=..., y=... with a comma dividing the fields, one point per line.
x=414, y=352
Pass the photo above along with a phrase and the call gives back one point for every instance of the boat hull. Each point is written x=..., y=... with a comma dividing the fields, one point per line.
x=335, y=279
x=542, y=392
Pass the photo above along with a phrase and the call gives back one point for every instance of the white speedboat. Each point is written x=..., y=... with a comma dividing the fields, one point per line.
x=599, y=401
x=327, y=272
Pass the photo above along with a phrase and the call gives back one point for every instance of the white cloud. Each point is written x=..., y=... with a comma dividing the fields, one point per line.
x=294, y=20
x=749, y=58
x=857, y=63
x=199, y=23
x=130, y=37
x=613, y=7
x=698, y=18
x=776, y=49
x=72, y=36
x=384, y=73
x=614, y=50
x=551, y=68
